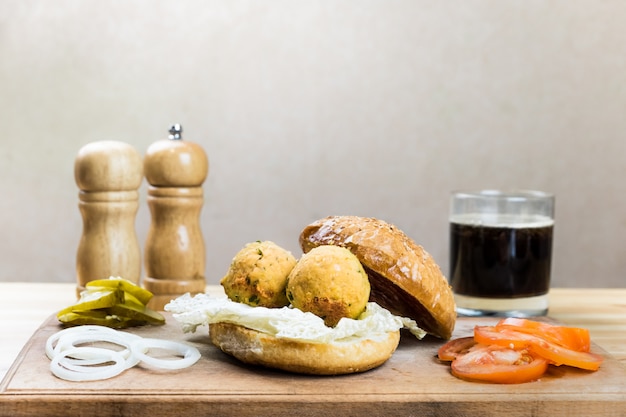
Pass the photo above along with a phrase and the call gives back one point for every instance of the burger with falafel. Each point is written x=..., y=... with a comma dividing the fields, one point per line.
x=342, y=305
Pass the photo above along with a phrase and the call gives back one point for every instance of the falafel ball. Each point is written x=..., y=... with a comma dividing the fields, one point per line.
x=330, y=282
x=257, y=275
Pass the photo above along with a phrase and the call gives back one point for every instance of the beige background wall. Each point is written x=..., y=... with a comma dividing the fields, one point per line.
x=311, y=108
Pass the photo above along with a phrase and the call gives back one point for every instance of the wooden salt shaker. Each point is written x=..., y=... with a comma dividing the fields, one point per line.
x=174, y=254
x=108, y=174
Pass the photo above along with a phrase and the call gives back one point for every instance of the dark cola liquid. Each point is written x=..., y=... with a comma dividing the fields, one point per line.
x=500, y=262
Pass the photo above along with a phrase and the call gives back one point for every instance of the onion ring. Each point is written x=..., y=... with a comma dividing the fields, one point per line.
x=88, y=373
x=69, y=341
x=141, y=347
x=73, y=362
x=89, y=329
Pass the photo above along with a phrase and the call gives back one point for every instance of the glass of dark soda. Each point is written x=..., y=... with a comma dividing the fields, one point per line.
x=501, y=252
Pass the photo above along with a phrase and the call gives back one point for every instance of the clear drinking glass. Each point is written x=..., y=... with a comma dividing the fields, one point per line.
x=501, y=252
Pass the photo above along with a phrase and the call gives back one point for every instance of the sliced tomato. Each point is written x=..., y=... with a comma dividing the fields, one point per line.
x=490, y=335
x=499, y=365
x=555, y=354
x=574, y=338
x=559, y=355
x=455, y=347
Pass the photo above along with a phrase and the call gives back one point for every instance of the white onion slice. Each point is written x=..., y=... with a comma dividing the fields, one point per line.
x=86, y=365
x=141, y=347
x=72, y=362
x=83, y=365
x=72, y=340
x=88, y=373
x=87, y=329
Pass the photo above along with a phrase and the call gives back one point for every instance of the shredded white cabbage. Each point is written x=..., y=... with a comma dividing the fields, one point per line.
x=290, y=323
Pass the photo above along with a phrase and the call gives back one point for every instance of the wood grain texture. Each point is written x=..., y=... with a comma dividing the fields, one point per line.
x=174, y=253
x=108, y=174
x=412, y=382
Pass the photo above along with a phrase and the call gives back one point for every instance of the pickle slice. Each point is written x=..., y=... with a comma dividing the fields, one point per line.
x=132, y=300
x=113, y=302
x=92, y=300
x=139, y=313
x=95, y=317
x=125, y=285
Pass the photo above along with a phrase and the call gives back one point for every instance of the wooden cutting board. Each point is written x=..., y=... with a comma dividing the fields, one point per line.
x=411, y=383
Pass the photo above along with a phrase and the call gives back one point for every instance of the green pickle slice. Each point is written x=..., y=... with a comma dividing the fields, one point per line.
x=138, y=313
x=131, y=300
x=129, y=287
x=93, y=318
x=92, y=300
x=113, y=302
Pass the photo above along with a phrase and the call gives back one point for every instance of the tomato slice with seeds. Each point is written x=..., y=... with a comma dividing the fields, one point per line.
x=455, y=348
x=490, y=335
x=499, y=365
x=555, y=354
x=559, y=355
x=574, y=338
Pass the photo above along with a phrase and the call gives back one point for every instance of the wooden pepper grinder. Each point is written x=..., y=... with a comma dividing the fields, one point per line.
x=108, y=174
x=174, y=254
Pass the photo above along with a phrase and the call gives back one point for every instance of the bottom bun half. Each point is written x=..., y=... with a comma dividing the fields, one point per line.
x=257, y=348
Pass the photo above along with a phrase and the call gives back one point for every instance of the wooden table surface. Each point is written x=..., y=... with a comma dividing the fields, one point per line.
x=25, y=306
x=219, y=385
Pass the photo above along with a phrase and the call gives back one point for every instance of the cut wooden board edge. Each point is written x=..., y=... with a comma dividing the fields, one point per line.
x=574, y=403
x=21, y=356
x=483, y=320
